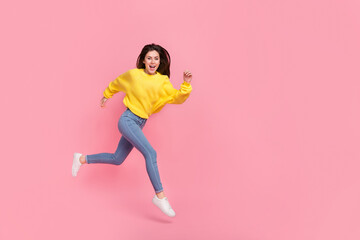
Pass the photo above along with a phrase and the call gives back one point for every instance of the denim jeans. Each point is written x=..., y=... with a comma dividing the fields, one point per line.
x=130, y=126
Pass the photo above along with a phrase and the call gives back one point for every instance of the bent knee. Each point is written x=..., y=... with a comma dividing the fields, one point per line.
x=117, y=161
x=151, y=154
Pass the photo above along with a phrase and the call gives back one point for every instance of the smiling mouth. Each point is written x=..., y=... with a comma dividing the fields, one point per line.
x=152, y=67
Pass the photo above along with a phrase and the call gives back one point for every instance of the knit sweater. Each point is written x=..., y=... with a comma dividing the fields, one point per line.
x=145, y=93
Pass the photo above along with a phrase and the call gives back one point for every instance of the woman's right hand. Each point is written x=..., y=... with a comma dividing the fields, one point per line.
x=103, y=101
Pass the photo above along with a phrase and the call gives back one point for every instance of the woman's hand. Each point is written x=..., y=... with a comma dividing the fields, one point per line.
x=103, y=101
x=187, y=76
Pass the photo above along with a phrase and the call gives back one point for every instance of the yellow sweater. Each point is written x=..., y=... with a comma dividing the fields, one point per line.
x=145, y=93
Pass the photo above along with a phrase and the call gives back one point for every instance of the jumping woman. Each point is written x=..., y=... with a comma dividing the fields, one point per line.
x=148, y=89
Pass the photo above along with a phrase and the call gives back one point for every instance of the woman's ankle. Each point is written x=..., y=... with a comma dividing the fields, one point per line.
x=82, y=159
x=160, y=195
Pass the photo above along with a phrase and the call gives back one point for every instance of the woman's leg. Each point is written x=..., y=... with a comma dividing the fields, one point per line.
x=122, y=151
x=117, y=158
x=130, y=127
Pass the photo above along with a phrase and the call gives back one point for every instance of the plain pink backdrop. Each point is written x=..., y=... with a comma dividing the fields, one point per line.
x=265, y=148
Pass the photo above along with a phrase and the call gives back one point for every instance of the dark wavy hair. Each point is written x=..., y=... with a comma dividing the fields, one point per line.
x=164, y=67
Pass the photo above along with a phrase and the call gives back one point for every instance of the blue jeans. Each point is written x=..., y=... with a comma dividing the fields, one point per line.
x=130, y=126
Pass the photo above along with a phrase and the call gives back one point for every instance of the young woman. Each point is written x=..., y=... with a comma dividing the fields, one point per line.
x=147, y=89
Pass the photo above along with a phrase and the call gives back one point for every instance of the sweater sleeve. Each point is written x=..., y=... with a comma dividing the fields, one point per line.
x=177, y=96
x=119, y=84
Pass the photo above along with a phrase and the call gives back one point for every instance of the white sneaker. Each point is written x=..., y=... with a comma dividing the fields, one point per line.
x=164, y=206
x=76, y=164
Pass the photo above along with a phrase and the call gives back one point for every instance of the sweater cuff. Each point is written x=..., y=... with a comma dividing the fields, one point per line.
x=186, y=87
x=105, y=95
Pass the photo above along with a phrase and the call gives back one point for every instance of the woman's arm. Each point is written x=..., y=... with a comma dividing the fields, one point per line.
x=179, y=96
x=119, y=84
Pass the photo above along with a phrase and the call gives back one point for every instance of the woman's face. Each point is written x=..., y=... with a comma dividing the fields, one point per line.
x=151, y=61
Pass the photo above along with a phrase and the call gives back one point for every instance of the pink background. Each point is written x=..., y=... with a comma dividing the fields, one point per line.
x=266, y=147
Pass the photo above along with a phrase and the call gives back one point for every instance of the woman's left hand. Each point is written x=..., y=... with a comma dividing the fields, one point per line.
x=187, y=76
